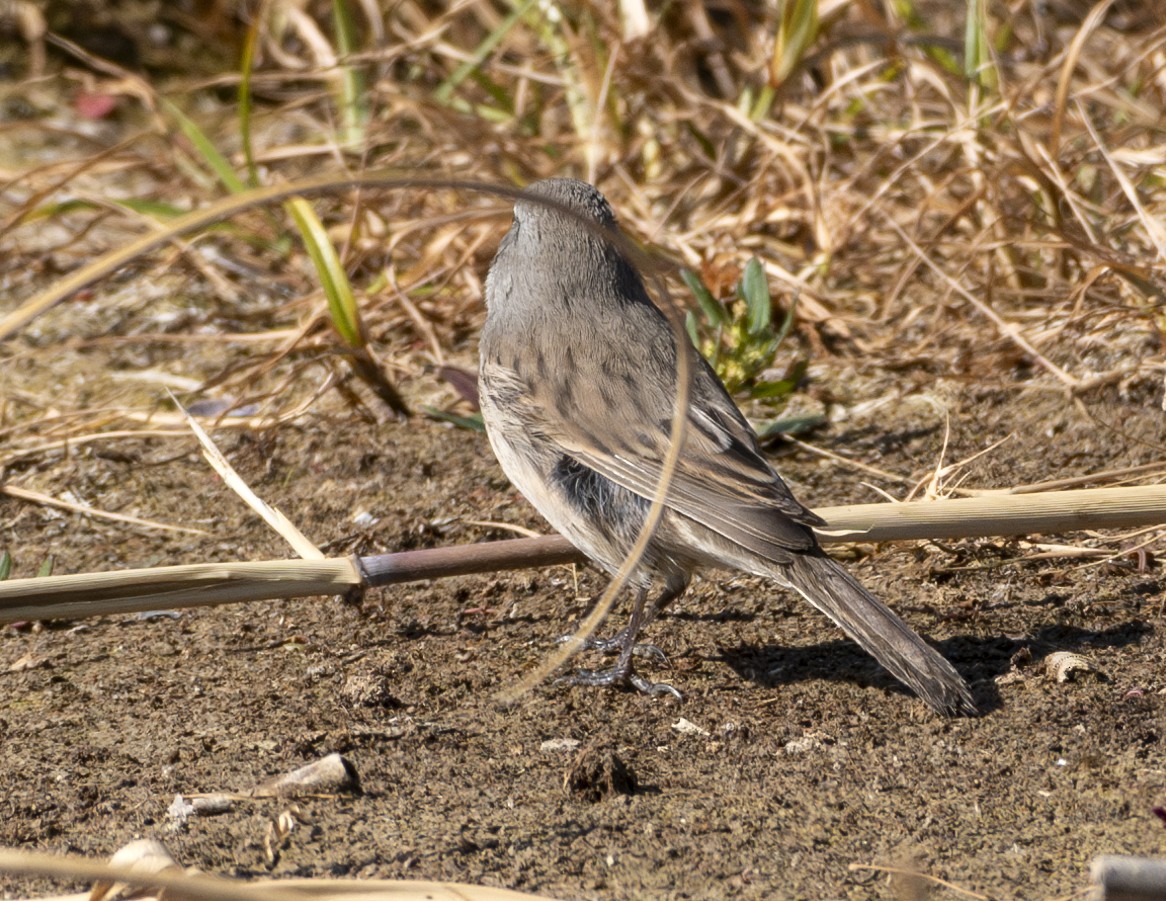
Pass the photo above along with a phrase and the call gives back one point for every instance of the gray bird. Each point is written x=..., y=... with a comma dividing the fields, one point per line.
x=577, y=384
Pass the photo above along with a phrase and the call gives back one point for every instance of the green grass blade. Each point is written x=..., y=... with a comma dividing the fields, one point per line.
x=473, y=422
x=333, y=279
x=246, y=70
x=444, y=92
x=790, y=425
x=155, y=209
x=353, y=89
x=210, y=154
x=46, y=568
x=797, y=29
x=979, y=65
x=690, y=327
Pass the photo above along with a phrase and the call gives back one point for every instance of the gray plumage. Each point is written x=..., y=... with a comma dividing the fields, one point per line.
x=577, y=385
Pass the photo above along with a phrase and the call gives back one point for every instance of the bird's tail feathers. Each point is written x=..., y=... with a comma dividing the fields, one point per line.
x=828, y=586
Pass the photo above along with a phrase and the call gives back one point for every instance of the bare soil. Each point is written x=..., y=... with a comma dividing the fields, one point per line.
x=807, y=758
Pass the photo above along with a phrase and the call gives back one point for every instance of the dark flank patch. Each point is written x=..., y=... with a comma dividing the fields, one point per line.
x=615, y=511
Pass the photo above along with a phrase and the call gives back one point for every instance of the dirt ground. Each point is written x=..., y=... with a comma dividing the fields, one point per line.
x=908, y=199
x=806, y=758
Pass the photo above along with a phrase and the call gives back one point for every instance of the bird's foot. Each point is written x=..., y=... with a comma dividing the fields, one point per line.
x=615, y=645
x=623, y=677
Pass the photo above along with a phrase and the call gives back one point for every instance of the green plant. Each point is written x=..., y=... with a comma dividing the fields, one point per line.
x=739, y=338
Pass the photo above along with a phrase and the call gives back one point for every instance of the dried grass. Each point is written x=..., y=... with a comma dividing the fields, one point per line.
x=906, y=208
x=926, y=222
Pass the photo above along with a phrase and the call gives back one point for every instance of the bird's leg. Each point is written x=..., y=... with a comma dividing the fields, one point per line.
x=614, y=645
x=672, y=590
x=625, y=641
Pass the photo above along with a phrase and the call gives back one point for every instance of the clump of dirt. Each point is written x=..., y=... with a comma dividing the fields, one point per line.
x=597, y=773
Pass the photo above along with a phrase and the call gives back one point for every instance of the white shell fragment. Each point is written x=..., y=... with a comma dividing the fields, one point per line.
x=802, y=745
x=326, y=776
x=1064, y=666
x=278, y=836
x=686, y=727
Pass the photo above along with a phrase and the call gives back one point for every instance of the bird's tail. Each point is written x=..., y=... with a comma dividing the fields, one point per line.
x=829, y=587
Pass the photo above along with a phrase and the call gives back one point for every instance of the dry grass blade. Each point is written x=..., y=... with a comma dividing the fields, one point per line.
x=216, y=212
x=300, y=543
x=1007, y=329
x=1065, y=80
x=192, y=585
x=182, y=887
x=1152, y=225
x=37, y=497
x=210, y=584
x=999, y=515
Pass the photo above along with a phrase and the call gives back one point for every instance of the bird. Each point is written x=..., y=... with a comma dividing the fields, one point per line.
x=577, y=384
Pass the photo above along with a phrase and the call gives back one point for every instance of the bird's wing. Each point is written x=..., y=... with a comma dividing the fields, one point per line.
x=616, y=419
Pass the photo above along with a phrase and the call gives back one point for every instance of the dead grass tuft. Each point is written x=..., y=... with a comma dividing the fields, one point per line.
x=1003, y=229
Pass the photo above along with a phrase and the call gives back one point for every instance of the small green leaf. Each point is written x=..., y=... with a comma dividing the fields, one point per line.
x=46, y=568
x=789, y=425
x=690, y=327
x=754, y=290
x=772, y=391
x=712, y=308
x=473, y=422
x=5, y=565
x=778, y=390
x=782, y=387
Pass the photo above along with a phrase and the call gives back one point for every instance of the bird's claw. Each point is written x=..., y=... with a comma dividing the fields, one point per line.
x=624, y=679
x=653, y=689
